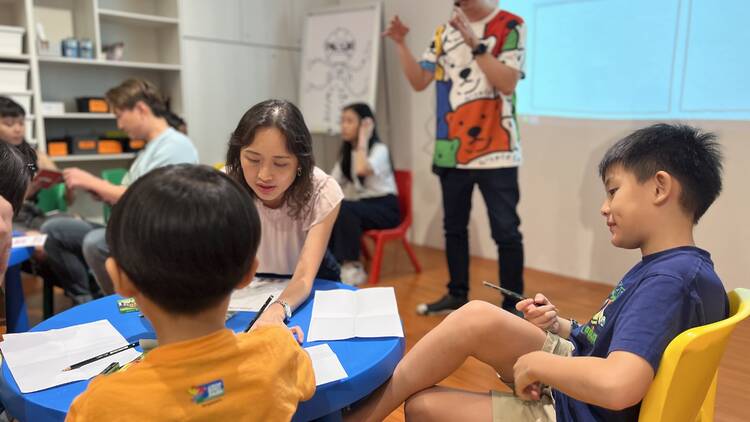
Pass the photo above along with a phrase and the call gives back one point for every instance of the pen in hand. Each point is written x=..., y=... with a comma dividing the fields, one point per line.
x=507, y=292
x=262, y=308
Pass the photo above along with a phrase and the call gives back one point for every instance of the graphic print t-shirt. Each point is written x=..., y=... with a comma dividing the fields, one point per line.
x=476, y=123
x=660, y=297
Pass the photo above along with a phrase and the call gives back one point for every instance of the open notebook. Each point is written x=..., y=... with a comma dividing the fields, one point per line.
x=341, y=314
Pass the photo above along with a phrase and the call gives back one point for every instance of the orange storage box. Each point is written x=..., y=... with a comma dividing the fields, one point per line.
x=109, y=146
x=92, y=105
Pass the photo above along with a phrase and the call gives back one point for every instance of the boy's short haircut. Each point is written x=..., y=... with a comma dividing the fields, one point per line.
x=14, y=176
x=128, y=93
x=10, y=108
x=690, y=155
x=185, y=235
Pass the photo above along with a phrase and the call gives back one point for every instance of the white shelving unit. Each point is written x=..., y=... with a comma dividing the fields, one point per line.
x=150, y=31
x=91, y=157
x=81, y=116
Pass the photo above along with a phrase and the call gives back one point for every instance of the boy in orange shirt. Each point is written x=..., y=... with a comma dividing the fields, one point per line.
x=180, y=256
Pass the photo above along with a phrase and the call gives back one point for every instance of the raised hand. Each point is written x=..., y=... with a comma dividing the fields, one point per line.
x=366, y=127
x=460, y=22
x=396, y=30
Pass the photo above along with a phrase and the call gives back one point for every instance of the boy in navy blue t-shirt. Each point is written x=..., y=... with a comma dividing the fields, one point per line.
x=659, y=181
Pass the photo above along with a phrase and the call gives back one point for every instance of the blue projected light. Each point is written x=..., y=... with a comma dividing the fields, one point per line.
x=635, y=59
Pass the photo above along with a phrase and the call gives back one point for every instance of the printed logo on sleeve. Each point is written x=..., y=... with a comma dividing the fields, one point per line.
x=207, y=392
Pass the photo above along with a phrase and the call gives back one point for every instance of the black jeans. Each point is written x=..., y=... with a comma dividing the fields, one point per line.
x=356, y=217
x=499, y=188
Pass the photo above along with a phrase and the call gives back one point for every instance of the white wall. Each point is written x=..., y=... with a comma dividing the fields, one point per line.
x=560, y=191
x=228, y=68
x=235, y=54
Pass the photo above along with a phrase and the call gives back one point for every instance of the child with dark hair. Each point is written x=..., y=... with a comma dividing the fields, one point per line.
x=270, y=154
x=12, y=132
x=14, y=179
x=365, y=173
x=658, y=181
x=180, y=256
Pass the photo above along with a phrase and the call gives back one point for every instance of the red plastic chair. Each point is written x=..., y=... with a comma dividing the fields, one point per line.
x=403, y=183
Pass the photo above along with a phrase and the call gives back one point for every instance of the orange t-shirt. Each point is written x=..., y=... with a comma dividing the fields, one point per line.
x=259, y=376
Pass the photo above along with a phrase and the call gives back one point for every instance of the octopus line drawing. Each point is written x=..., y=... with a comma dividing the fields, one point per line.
x=341, y=72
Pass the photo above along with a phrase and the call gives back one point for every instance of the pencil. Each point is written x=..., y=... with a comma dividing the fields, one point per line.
x=262, y=308
x=102, y=356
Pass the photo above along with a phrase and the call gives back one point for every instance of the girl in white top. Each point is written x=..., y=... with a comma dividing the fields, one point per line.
x=270, y=153
x=365, y=172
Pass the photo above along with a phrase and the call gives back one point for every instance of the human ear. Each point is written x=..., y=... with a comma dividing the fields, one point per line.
x=664, y=185
x=122, y=284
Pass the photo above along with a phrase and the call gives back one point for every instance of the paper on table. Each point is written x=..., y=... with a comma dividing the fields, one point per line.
x=36, y=359
x=26, y=241
x=252, y=297
x=326, y=364
x=341, y=314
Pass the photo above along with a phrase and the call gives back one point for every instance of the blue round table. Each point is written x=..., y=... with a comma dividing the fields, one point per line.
x=17, y=319
x=368, y=362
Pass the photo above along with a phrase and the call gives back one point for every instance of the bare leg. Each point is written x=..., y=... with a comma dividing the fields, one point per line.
x=448, y=404
x=477, y=329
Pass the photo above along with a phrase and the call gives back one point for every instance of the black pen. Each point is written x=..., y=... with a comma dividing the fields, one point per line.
x=102, y=356
x=262, y=308
x=510, y=293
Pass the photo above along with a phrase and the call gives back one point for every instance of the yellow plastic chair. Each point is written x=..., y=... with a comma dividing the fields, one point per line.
x=684, y=388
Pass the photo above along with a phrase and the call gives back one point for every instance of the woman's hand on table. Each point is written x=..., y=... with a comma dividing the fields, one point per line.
x=274, y=315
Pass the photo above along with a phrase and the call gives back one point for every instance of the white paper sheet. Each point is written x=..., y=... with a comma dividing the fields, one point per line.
x=341, y=314
x=26, y=241
x=37, y=359
x=252, y=297
x=326, y=364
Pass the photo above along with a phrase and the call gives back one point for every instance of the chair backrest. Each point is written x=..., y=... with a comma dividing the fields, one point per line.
x=686, y=379
x=403, y=184
x=52, y=198
x=115, y=177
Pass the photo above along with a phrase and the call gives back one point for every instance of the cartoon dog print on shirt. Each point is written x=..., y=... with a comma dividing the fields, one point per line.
x=469, y=83
x=476, y=125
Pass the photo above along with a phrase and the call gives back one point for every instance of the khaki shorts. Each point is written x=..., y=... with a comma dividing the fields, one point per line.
x=506, y=407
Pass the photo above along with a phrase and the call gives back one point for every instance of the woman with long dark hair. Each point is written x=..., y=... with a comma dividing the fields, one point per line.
x=365, y=172
x=270, y=154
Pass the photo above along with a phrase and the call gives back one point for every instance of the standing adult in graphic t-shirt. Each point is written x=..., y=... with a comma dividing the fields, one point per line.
x=476, y=60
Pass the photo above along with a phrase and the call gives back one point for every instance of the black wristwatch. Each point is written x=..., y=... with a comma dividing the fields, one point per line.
x=480, y=49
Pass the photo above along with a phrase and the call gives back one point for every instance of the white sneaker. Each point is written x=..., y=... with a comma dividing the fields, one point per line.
x=353, y=273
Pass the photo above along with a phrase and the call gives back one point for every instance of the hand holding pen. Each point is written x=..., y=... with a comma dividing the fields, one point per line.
x=537, y=310
x=297, y=332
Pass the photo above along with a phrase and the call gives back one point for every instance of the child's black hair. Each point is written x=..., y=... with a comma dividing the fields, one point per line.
x=363, y=111
x=10, y=108
x=14, y=176
x=185, y=235
x=690, y=155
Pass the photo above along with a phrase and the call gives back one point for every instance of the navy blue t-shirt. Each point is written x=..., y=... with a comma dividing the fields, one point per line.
x=663, y=295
